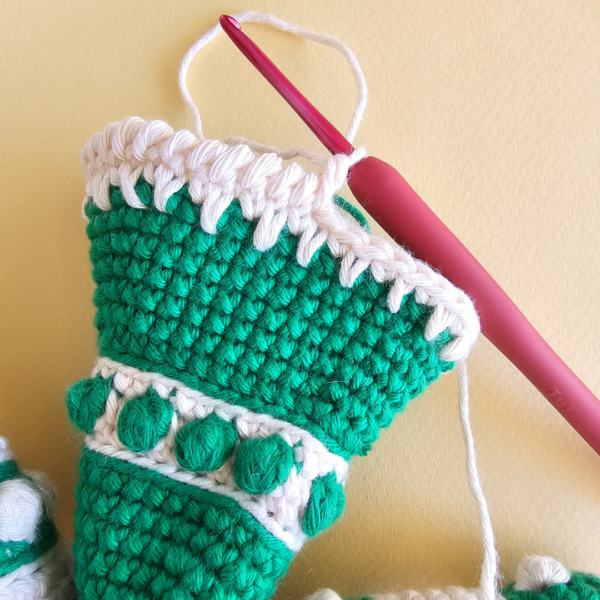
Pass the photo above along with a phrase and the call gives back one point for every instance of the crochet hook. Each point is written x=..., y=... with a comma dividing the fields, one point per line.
x=390, y=200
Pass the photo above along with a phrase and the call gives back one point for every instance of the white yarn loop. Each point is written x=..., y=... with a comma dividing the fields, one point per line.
x=258, y=17
x=489, y=568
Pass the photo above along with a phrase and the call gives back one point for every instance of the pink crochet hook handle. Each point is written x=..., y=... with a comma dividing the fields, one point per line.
x=388, y=198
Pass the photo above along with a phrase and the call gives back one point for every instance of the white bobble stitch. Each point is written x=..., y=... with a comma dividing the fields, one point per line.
x=325, y=594
x=536, y=573
x=20, y=511
x=5, y=453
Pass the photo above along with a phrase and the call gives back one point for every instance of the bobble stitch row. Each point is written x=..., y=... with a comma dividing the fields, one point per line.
x=269, y=463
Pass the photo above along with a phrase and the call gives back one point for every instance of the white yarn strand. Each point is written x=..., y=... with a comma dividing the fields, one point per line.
x=489, y=567
x=257, y=17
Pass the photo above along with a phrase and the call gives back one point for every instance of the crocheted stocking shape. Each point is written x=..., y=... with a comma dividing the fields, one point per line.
x=34, y=565
x=253, y=337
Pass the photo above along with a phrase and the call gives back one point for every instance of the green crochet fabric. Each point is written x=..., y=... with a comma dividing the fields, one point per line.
x=194, y=499
x=142, y=536
x=255, y=328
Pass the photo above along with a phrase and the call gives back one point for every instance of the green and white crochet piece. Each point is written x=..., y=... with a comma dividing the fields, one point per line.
x=34, y=565
x=205, y=441
x=253, y=337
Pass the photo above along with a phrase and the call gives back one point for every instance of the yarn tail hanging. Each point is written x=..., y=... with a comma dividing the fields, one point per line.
x=537, y=578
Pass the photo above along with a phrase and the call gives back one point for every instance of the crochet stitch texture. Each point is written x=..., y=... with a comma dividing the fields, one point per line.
x=253, y=337
x=144, y=536
x=34, y=564
x=20, y=494
x=255, y=328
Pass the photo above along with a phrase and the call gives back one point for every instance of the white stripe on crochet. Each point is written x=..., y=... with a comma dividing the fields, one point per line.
x=276, y=195
x=293, y=539
x=48, y=578
x=281, y=511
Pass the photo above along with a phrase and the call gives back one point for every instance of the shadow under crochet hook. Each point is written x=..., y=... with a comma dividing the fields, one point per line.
x=388, y=198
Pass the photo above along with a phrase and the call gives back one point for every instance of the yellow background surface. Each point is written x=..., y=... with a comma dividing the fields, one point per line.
x=488, y=108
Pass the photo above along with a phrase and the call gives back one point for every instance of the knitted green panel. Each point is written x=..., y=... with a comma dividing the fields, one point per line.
x=255, y=328
x=143, y=536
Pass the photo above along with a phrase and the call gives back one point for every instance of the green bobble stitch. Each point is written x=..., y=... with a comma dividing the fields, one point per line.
x=325, y=505
x=86, y=400
x=205, y=444
x=262, y=464
x=143, y=421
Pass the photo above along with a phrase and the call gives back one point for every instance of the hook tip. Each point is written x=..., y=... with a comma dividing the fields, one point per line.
x=227, y=21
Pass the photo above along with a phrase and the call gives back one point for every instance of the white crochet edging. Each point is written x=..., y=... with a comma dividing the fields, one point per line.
x=279, y=512
x=275, y=195
x=535, y=574
x=48, y=578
